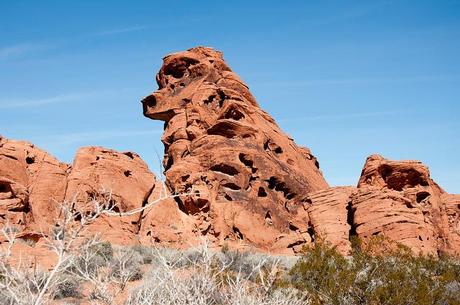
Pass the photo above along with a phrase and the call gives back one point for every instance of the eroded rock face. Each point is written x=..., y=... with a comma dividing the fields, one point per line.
x=399, y=200
x=32, y=183
x=244, y=174
x=121, y=178
x=329, y=211
x=242, y=181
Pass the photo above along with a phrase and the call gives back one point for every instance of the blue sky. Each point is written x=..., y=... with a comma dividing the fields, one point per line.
x=345, y=78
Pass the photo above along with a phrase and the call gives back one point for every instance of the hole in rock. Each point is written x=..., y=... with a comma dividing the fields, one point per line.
x=420, y=238
x=30, y=160
x=293, y=227
x=225, y=169
x=227, y=196
x=225, y=129
x=4, y=187
x=422, y=196
x=238, y=233
x=274, y=183
x=209, y=99
x=127, y=173
x=222, y=97
x=234, y=114
x=268, y=215
x=311, y=231
x=169, y=163
x=262, y=192
x=247, y=162
x=402, y=179
x=129, y=154
x=149, y=101
x=232, y=186
x=351, y=220
x=181, y=205
x=185, y=102
x=177, y=67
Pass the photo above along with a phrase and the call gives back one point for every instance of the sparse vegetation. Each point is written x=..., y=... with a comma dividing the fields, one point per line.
x=100, y=273
x=398, y=277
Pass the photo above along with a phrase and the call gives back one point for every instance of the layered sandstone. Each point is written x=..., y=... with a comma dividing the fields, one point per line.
x=32, y=182
x=122, y=179
x=232, y=177
x=243, y=174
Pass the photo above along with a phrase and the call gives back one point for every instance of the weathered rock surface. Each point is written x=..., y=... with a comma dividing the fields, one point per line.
x=236, y=179
x=244, y=174
x=123, y=179
x=329, y=212
x=452, y=222
x=32, y=183
x=399, y=200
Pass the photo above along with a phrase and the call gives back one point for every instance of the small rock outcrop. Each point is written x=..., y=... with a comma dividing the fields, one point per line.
x=398, y=199
x=122, y=178
x=32, y=182
x=246, y=179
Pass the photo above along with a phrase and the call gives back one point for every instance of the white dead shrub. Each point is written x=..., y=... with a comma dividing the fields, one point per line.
x=202, y=277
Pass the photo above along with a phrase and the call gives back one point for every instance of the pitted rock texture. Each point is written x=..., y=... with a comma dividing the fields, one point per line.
x=121, y=178
x=244, y=174
x=236, y=179
x=32, y=182
x=398, y=199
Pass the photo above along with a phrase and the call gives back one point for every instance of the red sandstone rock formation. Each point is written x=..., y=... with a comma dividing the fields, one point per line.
x=243, y=182
x=399, y=200
x=31, y=184
x=246, y=176
x=121, y=178
x=329, y=211
x=394, y=199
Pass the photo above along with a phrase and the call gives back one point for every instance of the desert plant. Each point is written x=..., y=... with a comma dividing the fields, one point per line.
x=398, y=277
x=205, y=279
x=67, y=287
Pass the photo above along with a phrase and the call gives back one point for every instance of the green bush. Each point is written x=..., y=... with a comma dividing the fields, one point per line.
x=396, y=278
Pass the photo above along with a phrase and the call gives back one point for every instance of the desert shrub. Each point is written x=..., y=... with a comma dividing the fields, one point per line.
x=203, y=277
x=398, y=277
x=126, y=265
x=68, y=287
x=146, y=253
x=93, y=255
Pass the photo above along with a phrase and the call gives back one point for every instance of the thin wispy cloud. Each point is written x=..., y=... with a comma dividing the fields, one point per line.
x=21, y=103
x=94, y=136
x=12, y=51
x=120, y=31
x=354, y=13
x=344, y=116
x=12, y=103
x=365, y=81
